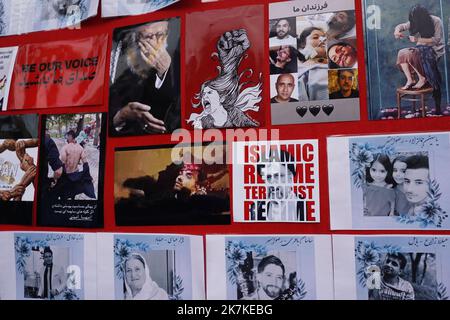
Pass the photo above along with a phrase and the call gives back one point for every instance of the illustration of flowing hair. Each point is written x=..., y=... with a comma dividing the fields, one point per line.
x=227, y=83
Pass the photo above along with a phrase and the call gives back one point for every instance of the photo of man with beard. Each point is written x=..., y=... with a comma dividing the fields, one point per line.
x=144, y=90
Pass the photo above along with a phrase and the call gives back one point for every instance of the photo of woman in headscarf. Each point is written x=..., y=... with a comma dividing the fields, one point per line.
x=138, y=284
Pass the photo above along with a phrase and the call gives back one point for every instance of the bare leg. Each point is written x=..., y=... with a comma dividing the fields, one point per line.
x=422, y=80
x=408, y=75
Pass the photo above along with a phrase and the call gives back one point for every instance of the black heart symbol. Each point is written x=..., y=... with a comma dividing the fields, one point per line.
x=328, y=109
x=302, y=111
x=314, y=110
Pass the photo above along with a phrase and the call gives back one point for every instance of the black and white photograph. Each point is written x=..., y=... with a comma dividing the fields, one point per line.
x=72, y=168
x=18, y=167
x=61, y=13
x=282, y=32
x=139, y=284
x=145, y=79
x=2, y=19
x=275, y=277
x=393, y=181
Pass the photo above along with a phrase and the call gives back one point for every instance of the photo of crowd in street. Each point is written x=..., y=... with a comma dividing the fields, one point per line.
x=18, y=167
x=407, y=57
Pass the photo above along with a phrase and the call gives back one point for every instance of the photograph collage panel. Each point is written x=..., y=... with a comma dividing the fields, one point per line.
x=276, y=181
x=18, y=167
x=407, y=58
x=224, y=61
x=391, y=267
x=313, y=61
x=72, y=169
x=269, y=267
x=150, y=267
x=394, y=182
x=7, y=60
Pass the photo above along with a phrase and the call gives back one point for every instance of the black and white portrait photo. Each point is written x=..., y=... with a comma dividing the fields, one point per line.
x=272, y=278
x=56, y=14
x=144, y=79
x=406, y=276
x=2, y=19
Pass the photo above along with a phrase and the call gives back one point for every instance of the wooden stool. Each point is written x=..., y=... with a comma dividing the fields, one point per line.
x=414, y=96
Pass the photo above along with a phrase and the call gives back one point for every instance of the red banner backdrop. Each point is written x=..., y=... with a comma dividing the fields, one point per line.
x=59, y=74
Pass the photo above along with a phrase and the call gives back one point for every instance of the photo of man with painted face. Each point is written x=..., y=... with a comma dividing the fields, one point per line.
x=346, y=80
